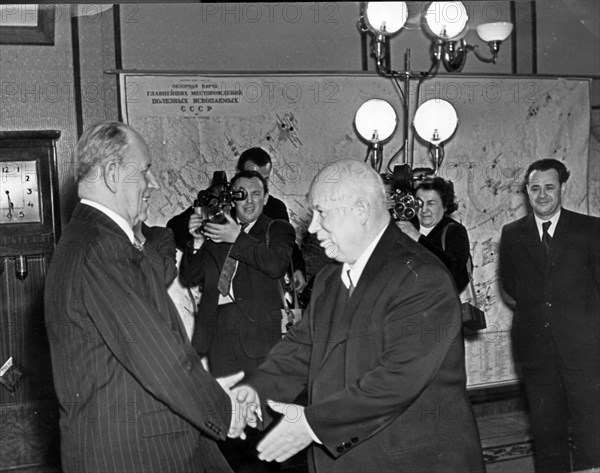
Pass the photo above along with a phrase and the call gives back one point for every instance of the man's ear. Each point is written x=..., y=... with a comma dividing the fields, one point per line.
x=111, y=175
x=266, y=198
x=363, y=209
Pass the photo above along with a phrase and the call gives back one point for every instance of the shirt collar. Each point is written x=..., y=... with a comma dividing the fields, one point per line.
x=554, y=220
x=248, y=226
x=357, y=268
x=115, y=217
x=425, y=230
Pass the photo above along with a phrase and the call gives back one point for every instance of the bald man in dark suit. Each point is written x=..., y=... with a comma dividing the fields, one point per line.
x=133, y=394
x=379, y=348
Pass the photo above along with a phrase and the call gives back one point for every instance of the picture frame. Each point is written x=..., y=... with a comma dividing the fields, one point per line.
x=27, y=24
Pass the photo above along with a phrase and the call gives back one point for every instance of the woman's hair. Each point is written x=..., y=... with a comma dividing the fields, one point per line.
x=445, y=190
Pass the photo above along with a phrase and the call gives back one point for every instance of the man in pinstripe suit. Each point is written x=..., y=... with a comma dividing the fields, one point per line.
x=133, y=394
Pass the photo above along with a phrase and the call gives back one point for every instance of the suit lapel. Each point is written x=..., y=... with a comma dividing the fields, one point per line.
x=369, y=281
x=373, y=270
x=560, y=240
x=531, y=241
x=123, y=246
x=323, y=306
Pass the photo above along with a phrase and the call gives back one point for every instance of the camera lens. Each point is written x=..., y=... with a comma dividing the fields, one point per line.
x=216, y=215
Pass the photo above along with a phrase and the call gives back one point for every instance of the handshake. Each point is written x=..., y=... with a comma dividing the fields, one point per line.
x=291, y=435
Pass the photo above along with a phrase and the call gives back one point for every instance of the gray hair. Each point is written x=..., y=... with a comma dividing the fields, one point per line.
x=100, y=144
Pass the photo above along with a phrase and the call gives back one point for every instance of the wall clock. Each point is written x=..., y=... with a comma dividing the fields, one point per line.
x=29, y=230
x=19, y=192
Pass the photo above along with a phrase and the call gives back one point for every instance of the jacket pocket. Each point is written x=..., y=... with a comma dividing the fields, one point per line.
x=162, y=422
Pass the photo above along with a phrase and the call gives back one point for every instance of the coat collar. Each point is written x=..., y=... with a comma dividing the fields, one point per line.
x=439, y=228
x=560, y=240
x=375, y=271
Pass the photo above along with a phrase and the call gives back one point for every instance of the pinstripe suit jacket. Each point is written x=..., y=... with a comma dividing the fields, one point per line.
x=133, y=394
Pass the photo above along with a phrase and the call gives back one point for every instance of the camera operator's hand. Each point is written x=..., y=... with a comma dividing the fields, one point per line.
x=195, y=229
x=222, y=232
x=408, y=229
x=390, y=202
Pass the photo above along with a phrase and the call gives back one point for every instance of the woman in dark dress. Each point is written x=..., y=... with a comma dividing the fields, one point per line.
x=435, y=230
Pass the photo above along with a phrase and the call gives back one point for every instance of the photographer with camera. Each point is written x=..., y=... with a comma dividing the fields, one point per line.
x=257, y=159
x=238, y=262
x=436, y=231
x=252, y=159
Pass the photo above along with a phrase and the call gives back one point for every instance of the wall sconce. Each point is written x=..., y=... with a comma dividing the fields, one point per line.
x=435, y=122
x=382, y=19
x=446, y=22
x=375, y=122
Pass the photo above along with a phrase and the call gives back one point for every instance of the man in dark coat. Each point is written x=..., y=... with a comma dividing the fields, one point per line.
x=133, y=393
x=550, y=267
x=379, y=348
x=239, y=316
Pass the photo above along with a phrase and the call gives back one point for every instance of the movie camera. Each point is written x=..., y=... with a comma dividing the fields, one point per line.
x=400, y=186
x=212, y=203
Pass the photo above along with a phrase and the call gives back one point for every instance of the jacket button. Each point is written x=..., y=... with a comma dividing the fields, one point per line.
x=547, y=324
x=354, y=439
x=347, y=444
x=548, y=304
x=340, y=449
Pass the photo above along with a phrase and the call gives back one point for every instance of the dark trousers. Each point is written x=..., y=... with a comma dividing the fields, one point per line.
x=560, y=397
x=225, y=357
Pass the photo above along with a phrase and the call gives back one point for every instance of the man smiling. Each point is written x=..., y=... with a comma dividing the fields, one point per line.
x=550, y=267
x=379, y=348
x=133, y=394
x=238, y=266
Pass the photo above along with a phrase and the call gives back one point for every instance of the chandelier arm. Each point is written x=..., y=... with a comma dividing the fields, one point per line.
x=362, y=27
x=481, y=57
x=454, y=55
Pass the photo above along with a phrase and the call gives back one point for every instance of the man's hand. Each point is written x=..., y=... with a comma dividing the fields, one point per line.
x=195, y=225
x=238, y=421
x=291, y=435
x=408, y=229
x=299, y=280
x=222, y=232
x=247, y=397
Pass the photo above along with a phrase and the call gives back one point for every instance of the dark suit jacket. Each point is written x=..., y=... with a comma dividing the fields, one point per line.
x=456, y=253
x=133, y=394
x=558, y=300
x=255, y=285
x=386, y=381
x=274, y=209
x=161, y=251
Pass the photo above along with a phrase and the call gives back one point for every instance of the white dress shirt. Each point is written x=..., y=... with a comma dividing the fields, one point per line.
x=551, y=229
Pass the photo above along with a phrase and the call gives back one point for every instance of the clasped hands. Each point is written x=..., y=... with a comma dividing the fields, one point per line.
x=287, y=438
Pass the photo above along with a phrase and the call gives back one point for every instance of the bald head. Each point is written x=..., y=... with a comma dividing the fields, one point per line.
x=349, y=208
x=348, y=179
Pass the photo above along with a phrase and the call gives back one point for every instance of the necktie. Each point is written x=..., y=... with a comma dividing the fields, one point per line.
x=351, y=286
x=228, y=270
x=546, y=238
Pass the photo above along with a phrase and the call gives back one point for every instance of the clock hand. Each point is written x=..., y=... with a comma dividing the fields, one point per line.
x=11, y=206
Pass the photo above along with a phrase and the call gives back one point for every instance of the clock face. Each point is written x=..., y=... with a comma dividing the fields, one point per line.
x=19, y=192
